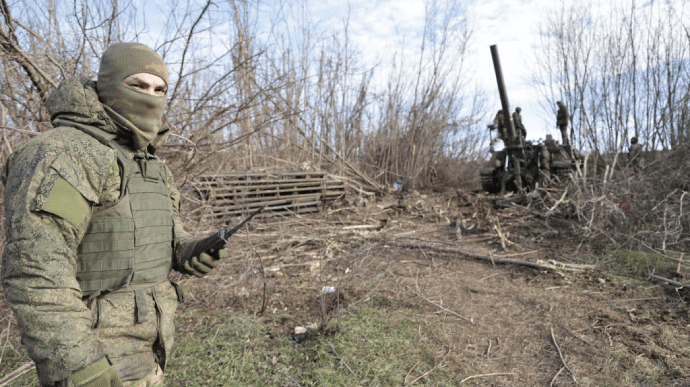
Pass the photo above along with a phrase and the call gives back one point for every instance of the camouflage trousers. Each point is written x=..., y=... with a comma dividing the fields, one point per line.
x=564, y=134
x=153, y=379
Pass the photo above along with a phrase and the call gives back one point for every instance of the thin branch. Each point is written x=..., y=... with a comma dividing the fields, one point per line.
x=471, y=255
x=7, y=379
x=556, y=376
x=340, y=358
x=484, y=375
x=469, y=320
x=560, y=354
x=186, y=48
x=672, y=282
x=432, y=369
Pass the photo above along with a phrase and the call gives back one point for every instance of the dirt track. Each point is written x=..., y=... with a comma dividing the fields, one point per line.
x=611, y=330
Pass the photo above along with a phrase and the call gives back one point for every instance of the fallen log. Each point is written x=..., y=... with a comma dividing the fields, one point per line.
x=488, y=258
x=669, y=281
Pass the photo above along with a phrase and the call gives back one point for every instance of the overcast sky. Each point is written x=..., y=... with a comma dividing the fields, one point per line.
x=379, y=27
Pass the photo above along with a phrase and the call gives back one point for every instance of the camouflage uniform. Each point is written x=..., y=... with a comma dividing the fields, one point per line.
x=63, y=331
x=635, y=158
x=562, y=120
x=500, y=123
x=517, y=121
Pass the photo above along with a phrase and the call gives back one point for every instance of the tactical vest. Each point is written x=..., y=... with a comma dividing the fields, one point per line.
x=129, y=243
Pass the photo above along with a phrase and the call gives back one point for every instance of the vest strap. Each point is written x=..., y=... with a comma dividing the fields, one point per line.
x=141, y=307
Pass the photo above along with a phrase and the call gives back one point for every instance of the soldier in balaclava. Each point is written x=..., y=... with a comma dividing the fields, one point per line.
x=562, y=120
x=93, y=230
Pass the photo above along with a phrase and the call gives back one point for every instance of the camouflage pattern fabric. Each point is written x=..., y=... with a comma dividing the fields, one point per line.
x=562, y=115
x=61, y=332
x=517, y=121
x=500, y=123
x=635, y=158
x=153, y=379
x=562, y=120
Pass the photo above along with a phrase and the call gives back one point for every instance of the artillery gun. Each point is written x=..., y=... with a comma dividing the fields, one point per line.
x=522, y=164
x=537, y=160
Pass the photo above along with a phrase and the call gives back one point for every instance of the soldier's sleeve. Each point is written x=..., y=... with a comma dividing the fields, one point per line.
x=183, y=239
x=48, y=204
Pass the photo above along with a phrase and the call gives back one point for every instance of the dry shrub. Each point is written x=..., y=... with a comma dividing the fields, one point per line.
x=454, y=173
x=649, y=207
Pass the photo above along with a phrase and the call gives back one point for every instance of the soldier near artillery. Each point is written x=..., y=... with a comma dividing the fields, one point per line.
x=93, y=230
x=545, y=154
x=635, y=158
x=500, y=124
x=517, y=121
x=562, y=120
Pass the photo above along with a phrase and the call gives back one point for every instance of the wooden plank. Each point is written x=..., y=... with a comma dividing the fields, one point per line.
x=278, y=191
x=266, y=199
x=260, y=176
x=297, y=207
x=240, y=205
x=217, y=183
x=267, y=182
x=252, y=188
x=232, y=194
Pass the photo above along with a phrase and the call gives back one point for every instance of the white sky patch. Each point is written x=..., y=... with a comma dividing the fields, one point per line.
x=378, y=29
x=381, y=28
x=512, y=26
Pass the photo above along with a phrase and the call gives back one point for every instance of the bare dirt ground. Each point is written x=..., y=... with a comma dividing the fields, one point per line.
x=527, y=326
x=610, y=329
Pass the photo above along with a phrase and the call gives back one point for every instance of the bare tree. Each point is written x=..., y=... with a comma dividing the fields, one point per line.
x=620, y=70
x=248, y=95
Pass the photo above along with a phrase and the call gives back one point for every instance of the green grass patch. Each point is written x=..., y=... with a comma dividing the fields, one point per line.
x=370, y=347
x=13, y=357
x=636, y=263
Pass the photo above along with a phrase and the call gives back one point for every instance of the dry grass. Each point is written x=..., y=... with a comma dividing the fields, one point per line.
x=606, y=324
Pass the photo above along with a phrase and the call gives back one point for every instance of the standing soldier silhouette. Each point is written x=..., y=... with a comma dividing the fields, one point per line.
x=562, y=120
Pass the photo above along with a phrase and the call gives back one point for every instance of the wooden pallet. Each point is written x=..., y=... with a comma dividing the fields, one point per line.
x=284, y=193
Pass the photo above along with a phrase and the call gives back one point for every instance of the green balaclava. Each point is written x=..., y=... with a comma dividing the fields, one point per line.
x=138, y=113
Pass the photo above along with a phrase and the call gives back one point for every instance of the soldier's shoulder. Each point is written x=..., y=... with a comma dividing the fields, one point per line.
x=70, y=143
x=76, y=156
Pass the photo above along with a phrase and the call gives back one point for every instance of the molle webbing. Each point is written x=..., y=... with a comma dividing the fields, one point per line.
x=128, y=244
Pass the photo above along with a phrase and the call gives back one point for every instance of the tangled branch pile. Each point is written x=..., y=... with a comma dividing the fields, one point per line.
x=620, y=205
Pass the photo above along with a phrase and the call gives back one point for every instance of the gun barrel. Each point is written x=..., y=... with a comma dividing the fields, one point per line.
x=505, y=104
x=506, y=116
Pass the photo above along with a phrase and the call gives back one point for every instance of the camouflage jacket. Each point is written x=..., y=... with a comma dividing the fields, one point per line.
x=61, y=332
x=517, y=121
x=635, y=155
x=562, y=116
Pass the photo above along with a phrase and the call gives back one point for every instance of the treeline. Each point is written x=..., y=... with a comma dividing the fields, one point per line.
x=255, y=88
x=622, y=68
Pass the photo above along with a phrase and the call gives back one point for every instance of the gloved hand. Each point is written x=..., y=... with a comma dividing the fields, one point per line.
x=197, y=262
x=98, y=374
x=201, y=265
